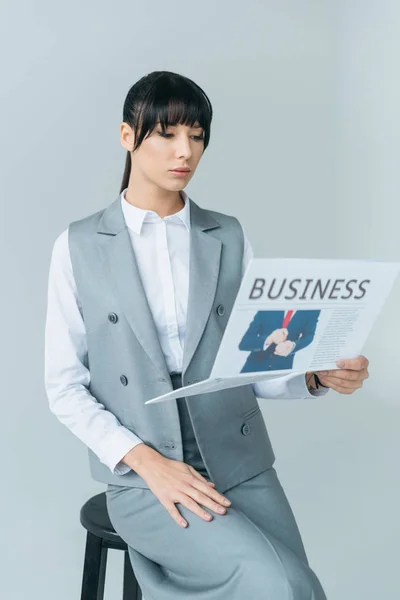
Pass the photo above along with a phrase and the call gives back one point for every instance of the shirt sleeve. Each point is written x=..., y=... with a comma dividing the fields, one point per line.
x=66, y=374
x=290, y=386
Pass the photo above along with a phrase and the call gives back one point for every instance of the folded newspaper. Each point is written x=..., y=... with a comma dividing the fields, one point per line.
x=296, y=315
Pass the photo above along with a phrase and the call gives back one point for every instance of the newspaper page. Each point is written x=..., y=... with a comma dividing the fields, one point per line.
x=302, y=315
x=296, y=315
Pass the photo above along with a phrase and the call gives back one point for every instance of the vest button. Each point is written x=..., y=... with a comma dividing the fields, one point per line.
x=124, y=380
x=113, y=317
x=245, y=429
x=220, y=310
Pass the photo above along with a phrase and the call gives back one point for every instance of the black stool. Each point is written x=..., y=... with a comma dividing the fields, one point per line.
x=101, y=535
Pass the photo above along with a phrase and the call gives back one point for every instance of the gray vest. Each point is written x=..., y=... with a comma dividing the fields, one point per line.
x=125, y=359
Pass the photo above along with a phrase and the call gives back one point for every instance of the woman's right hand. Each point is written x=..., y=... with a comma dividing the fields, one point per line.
x=175, y=481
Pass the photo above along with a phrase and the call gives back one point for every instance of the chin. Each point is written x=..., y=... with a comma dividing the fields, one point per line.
x=178, y=184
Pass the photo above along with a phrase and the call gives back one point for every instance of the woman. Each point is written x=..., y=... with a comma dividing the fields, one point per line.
x=139, y=295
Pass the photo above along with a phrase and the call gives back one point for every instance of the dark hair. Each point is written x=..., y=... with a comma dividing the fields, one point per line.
x=166, y=97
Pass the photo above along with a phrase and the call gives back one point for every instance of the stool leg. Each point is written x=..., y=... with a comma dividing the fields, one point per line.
x=94, y=568
x=102, y=573
x=132, y=590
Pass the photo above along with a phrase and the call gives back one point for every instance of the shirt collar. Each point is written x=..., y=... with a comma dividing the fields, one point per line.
x=135, y=216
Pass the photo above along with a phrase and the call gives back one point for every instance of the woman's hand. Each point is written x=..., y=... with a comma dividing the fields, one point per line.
x=175, y=481
x=349, y=377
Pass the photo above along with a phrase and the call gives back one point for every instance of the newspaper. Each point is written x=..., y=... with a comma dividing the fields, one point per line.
x=330, y=308
x=296, y=315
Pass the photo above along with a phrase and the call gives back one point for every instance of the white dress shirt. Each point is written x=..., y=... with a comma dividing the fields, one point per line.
x=161, y=247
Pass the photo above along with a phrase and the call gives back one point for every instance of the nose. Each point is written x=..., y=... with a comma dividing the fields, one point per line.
x=183, y=147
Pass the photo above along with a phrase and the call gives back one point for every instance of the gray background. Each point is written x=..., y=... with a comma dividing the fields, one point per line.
x=304, y=151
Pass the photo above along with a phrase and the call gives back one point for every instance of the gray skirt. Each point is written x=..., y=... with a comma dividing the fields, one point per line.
x=255, y=550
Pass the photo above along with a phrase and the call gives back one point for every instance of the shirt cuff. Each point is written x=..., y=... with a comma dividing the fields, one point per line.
x=265, y=345
x=119, y=443
x=285, y=387
x=298, y=385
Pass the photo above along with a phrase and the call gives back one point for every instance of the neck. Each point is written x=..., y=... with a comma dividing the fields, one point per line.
x=163, y=202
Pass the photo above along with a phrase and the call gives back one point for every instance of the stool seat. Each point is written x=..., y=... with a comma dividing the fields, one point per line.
x=100, y=537
x=94, y=517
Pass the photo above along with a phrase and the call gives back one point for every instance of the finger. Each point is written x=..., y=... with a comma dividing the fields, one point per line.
x=205, y=489
x=348, y=375
x=342, y=390
x=336, y=384
x=342, y=375
x=204, y=499
x=352, y=375
x=187, y=501
x=175, y=514
x=331, y=381
x=356, y=364
x=200, y=476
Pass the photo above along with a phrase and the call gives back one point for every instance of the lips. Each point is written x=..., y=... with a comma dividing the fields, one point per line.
x=181, y=170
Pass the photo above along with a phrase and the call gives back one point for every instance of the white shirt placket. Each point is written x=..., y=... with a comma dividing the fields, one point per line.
x=168, y=297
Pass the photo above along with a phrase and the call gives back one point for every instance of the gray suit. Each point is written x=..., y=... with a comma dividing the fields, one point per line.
x=127, y=367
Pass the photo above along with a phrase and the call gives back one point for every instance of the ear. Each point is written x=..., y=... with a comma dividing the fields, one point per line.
x=127, y=136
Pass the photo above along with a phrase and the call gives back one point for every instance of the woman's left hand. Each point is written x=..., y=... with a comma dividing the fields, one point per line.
x=349, y=377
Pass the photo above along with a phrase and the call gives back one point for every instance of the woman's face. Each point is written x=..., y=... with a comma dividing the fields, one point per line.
x=180, y=146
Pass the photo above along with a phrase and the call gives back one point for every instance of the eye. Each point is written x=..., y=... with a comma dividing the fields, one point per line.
x=198, y=138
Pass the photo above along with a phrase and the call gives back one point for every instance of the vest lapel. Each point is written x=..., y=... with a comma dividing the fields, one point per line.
x=205, y=257
x=120, y=264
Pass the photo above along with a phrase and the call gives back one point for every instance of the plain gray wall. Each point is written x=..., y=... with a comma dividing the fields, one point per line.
x=305, y=135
